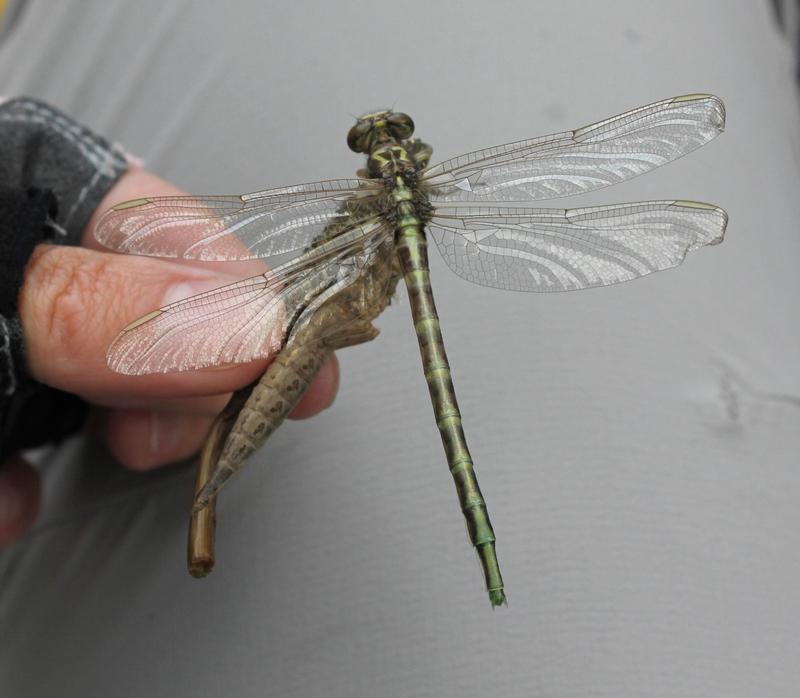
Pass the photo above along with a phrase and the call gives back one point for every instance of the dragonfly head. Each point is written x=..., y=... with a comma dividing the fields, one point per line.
x=377, y=127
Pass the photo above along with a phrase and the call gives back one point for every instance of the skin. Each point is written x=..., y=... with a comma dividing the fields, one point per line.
x=72, y=304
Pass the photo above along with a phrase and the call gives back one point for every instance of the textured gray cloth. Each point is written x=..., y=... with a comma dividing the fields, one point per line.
x=637, y=445
x=46, y=149
x=54, y=172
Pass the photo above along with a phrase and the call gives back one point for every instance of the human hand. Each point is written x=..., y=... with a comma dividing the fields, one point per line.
x=73, y=302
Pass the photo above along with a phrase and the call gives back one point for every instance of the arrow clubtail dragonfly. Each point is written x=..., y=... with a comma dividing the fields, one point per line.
x=334, y=251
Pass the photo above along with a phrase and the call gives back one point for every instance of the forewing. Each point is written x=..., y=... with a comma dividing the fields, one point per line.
x=568, y=249
x=578, y=161
x=228, y=228
x=240, y=322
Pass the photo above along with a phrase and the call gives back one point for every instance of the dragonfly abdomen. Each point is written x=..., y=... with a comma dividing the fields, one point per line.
x=411, y=249
x=275, y=395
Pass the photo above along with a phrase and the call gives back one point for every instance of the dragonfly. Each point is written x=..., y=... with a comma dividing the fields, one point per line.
x=334, y=251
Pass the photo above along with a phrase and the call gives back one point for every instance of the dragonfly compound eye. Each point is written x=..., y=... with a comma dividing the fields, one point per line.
x=358, y=136
x=420, y=152
x=401, y=125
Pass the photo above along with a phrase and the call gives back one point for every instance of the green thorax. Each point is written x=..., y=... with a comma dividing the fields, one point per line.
x=397, y=159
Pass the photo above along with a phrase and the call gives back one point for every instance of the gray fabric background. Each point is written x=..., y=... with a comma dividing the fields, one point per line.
x=637, y=445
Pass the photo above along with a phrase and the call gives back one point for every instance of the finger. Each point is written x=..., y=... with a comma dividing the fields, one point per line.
x=145, y=439
x=20, y=494
x=73, y=303
x=319, y=396
x=204, y=406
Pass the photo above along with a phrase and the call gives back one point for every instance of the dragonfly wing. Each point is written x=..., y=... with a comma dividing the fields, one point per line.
x=228, y=228
x=578, y=161
x=201, y=331
x=239, y=322
x=522, y=249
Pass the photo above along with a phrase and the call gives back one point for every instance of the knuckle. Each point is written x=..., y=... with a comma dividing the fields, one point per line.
x=61, y=291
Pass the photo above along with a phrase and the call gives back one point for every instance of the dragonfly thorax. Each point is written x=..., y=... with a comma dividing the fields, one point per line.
x=390, y=160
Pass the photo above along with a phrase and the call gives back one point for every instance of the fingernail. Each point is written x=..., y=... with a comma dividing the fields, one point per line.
x=167, y=431
x=12, y=501
x=186, y=289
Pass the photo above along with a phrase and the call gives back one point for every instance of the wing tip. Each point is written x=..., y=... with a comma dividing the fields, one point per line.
x=719, y=231
x=118, y=363
x=105, y=229
x=101, y=229
x=118, y=355
x=717, y=112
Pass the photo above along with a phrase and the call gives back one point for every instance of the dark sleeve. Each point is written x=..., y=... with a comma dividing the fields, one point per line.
x=53, y=174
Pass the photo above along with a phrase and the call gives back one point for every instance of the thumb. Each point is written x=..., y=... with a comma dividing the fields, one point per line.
x=20, y=492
